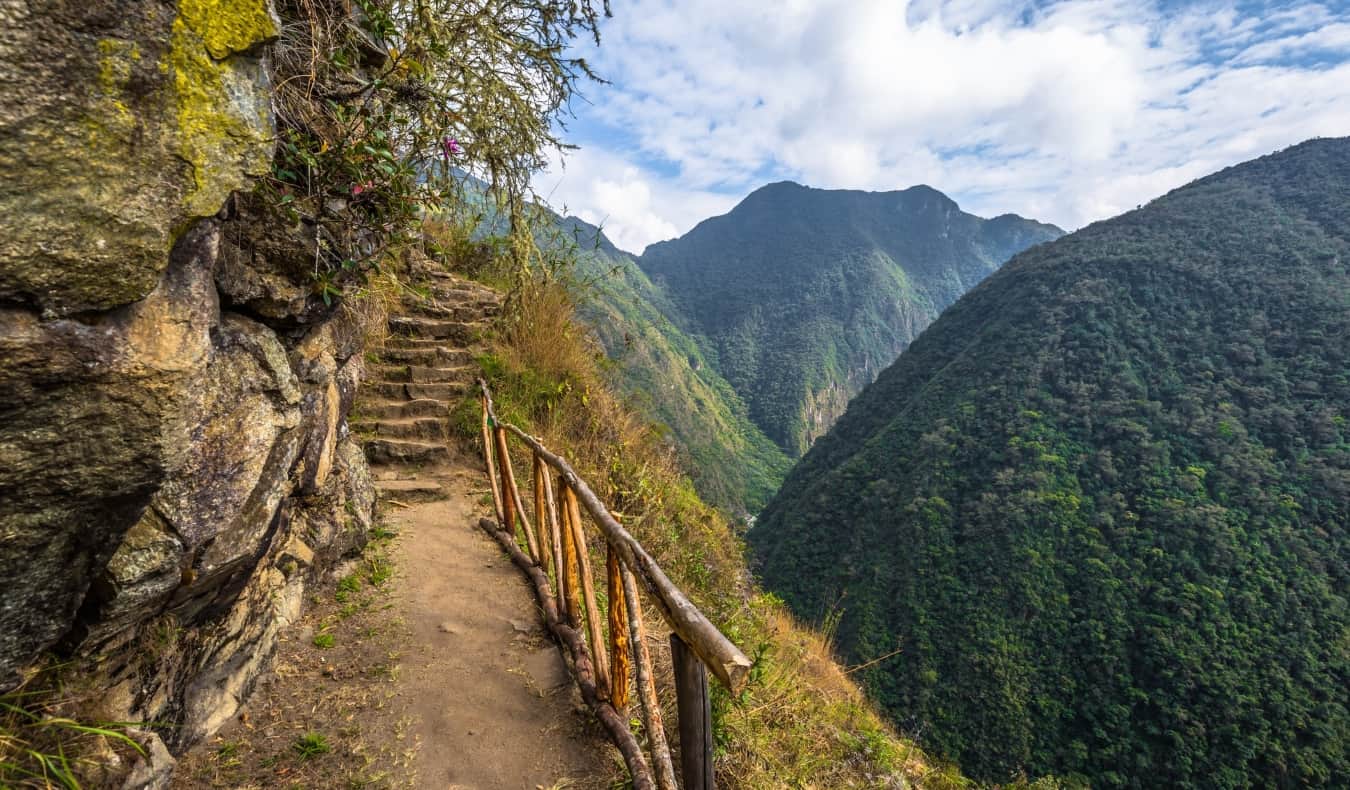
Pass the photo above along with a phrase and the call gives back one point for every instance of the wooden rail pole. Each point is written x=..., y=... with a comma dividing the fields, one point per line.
x=593, y=629
x=541, y=515
x=695, y=706
x=487, y=459
x=646, y=686
x=619, y=659
x=554, y=528
x=569, y=577
x=511, y=493
x=504, y=462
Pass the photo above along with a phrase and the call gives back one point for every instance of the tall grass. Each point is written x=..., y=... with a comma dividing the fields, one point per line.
x=44, y=741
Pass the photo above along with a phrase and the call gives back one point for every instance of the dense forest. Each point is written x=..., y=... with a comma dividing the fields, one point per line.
x=801, y=296
x=1100, y=506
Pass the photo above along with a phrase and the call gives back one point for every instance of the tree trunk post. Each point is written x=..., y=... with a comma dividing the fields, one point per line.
x=619, y=657
x=695, y=709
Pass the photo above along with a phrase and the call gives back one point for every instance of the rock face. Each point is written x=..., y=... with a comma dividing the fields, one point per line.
x=175, y=464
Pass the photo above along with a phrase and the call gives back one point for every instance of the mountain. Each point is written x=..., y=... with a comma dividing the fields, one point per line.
x=800, y=296
x=1100, y=506
x=663, y=372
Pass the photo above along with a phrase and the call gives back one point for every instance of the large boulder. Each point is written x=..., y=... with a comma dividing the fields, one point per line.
x=120, y=122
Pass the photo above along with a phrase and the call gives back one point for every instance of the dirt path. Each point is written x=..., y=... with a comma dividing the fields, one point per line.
x=492, y=700
x=424, y=663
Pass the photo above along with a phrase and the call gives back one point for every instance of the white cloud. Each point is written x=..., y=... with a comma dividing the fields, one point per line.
x=1067, y=112
x=633, y=208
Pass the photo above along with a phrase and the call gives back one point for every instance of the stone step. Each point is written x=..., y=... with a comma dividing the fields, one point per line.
x=437, y=309
x=405, y=451
x=437, y=328
x=418, y=374
x=435, y=356
x=395, y=390
x=406, y=343
x=430, y=429
x=411, y=490
x=404, y=409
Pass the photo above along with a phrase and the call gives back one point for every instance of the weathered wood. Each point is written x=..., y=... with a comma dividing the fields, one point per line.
x=695, y=707
x=540, y=514
x=593, y=627
x=487, y=459
x=619, y=659
x=570, y=577
x=726, y=661
x=646, y=686
x=511, y=492
x=555, y=531
x=504, y=460
x=615, y=724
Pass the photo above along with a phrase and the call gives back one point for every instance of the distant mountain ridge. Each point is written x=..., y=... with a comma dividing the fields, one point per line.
x=747, y=361
x=801, y=296
x=1101, y=508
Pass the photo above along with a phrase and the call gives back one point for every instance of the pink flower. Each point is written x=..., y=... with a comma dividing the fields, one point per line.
x=359, y=188
x=451, y=146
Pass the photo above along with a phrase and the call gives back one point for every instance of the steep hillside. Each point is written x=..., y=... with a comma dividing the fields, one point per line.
x=1101, y=504
x=663, y=371
x=803, y=295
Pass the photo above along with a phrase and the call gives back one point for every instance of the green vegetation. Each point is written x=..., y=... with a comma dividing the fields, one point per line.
x=663, y=373
x=799, y=296
x=311, y=745
x=1100, y=506
x=47, y=741
x=325, y=641
x=378, y=121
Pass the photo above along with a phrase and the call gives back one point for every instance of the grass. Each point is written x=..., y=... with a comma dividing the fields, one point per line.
x=325, y=641
x=801, y=722
x=45, y=742
x=311, y=745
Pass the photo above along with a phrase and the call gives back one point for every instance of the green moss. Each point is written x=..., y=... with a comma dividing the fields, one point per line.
x=229, y=26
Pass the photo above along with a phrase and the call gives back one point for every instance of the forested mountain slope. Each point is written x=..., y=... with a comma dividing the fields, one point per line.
x=801, y=296
x=663, y=371
x=1101, y=504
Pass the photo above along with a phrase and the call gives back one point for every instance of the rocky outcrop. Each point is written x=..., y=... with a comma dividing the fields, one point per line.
x=175, y=464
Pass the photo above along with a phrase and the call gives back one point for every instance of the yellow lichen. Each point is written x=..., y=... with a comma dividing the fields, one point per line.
x=224, y=121
x=116, y=58
x=229, y=26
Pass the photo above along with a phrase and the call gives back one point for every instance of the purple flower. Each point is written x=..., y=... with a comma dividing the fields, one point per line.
x=450, y=146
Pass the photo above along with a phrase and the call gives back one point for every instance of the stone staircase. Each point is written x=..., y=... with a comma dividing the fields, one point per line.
x=425, y=368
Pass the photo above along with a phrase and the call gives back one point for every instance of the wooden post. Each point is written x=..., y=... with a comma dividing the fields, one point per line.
x=511, y=493
x=646, y=686
x=619, y=660
x=593, y=629
x=695, y=707
x=554, y=528
x=504, y=461
x=569, y=577
x=541, y=521
x=491, y=468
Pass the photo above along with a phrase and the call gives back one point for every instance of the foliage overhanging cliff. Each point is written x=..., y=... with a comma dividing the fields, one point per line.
x=1101, y=505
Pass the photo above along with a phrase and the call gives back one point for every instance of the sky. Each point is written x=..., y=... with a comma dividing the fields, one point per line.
x=1065, y=112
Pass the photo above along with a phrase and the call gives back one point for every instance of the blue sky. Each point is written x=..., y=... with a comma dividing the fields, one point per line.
x=1066, y=112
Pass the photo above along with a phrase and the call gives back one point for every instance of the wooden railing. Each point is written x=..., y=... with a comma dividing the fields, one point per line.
x=606, y=650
